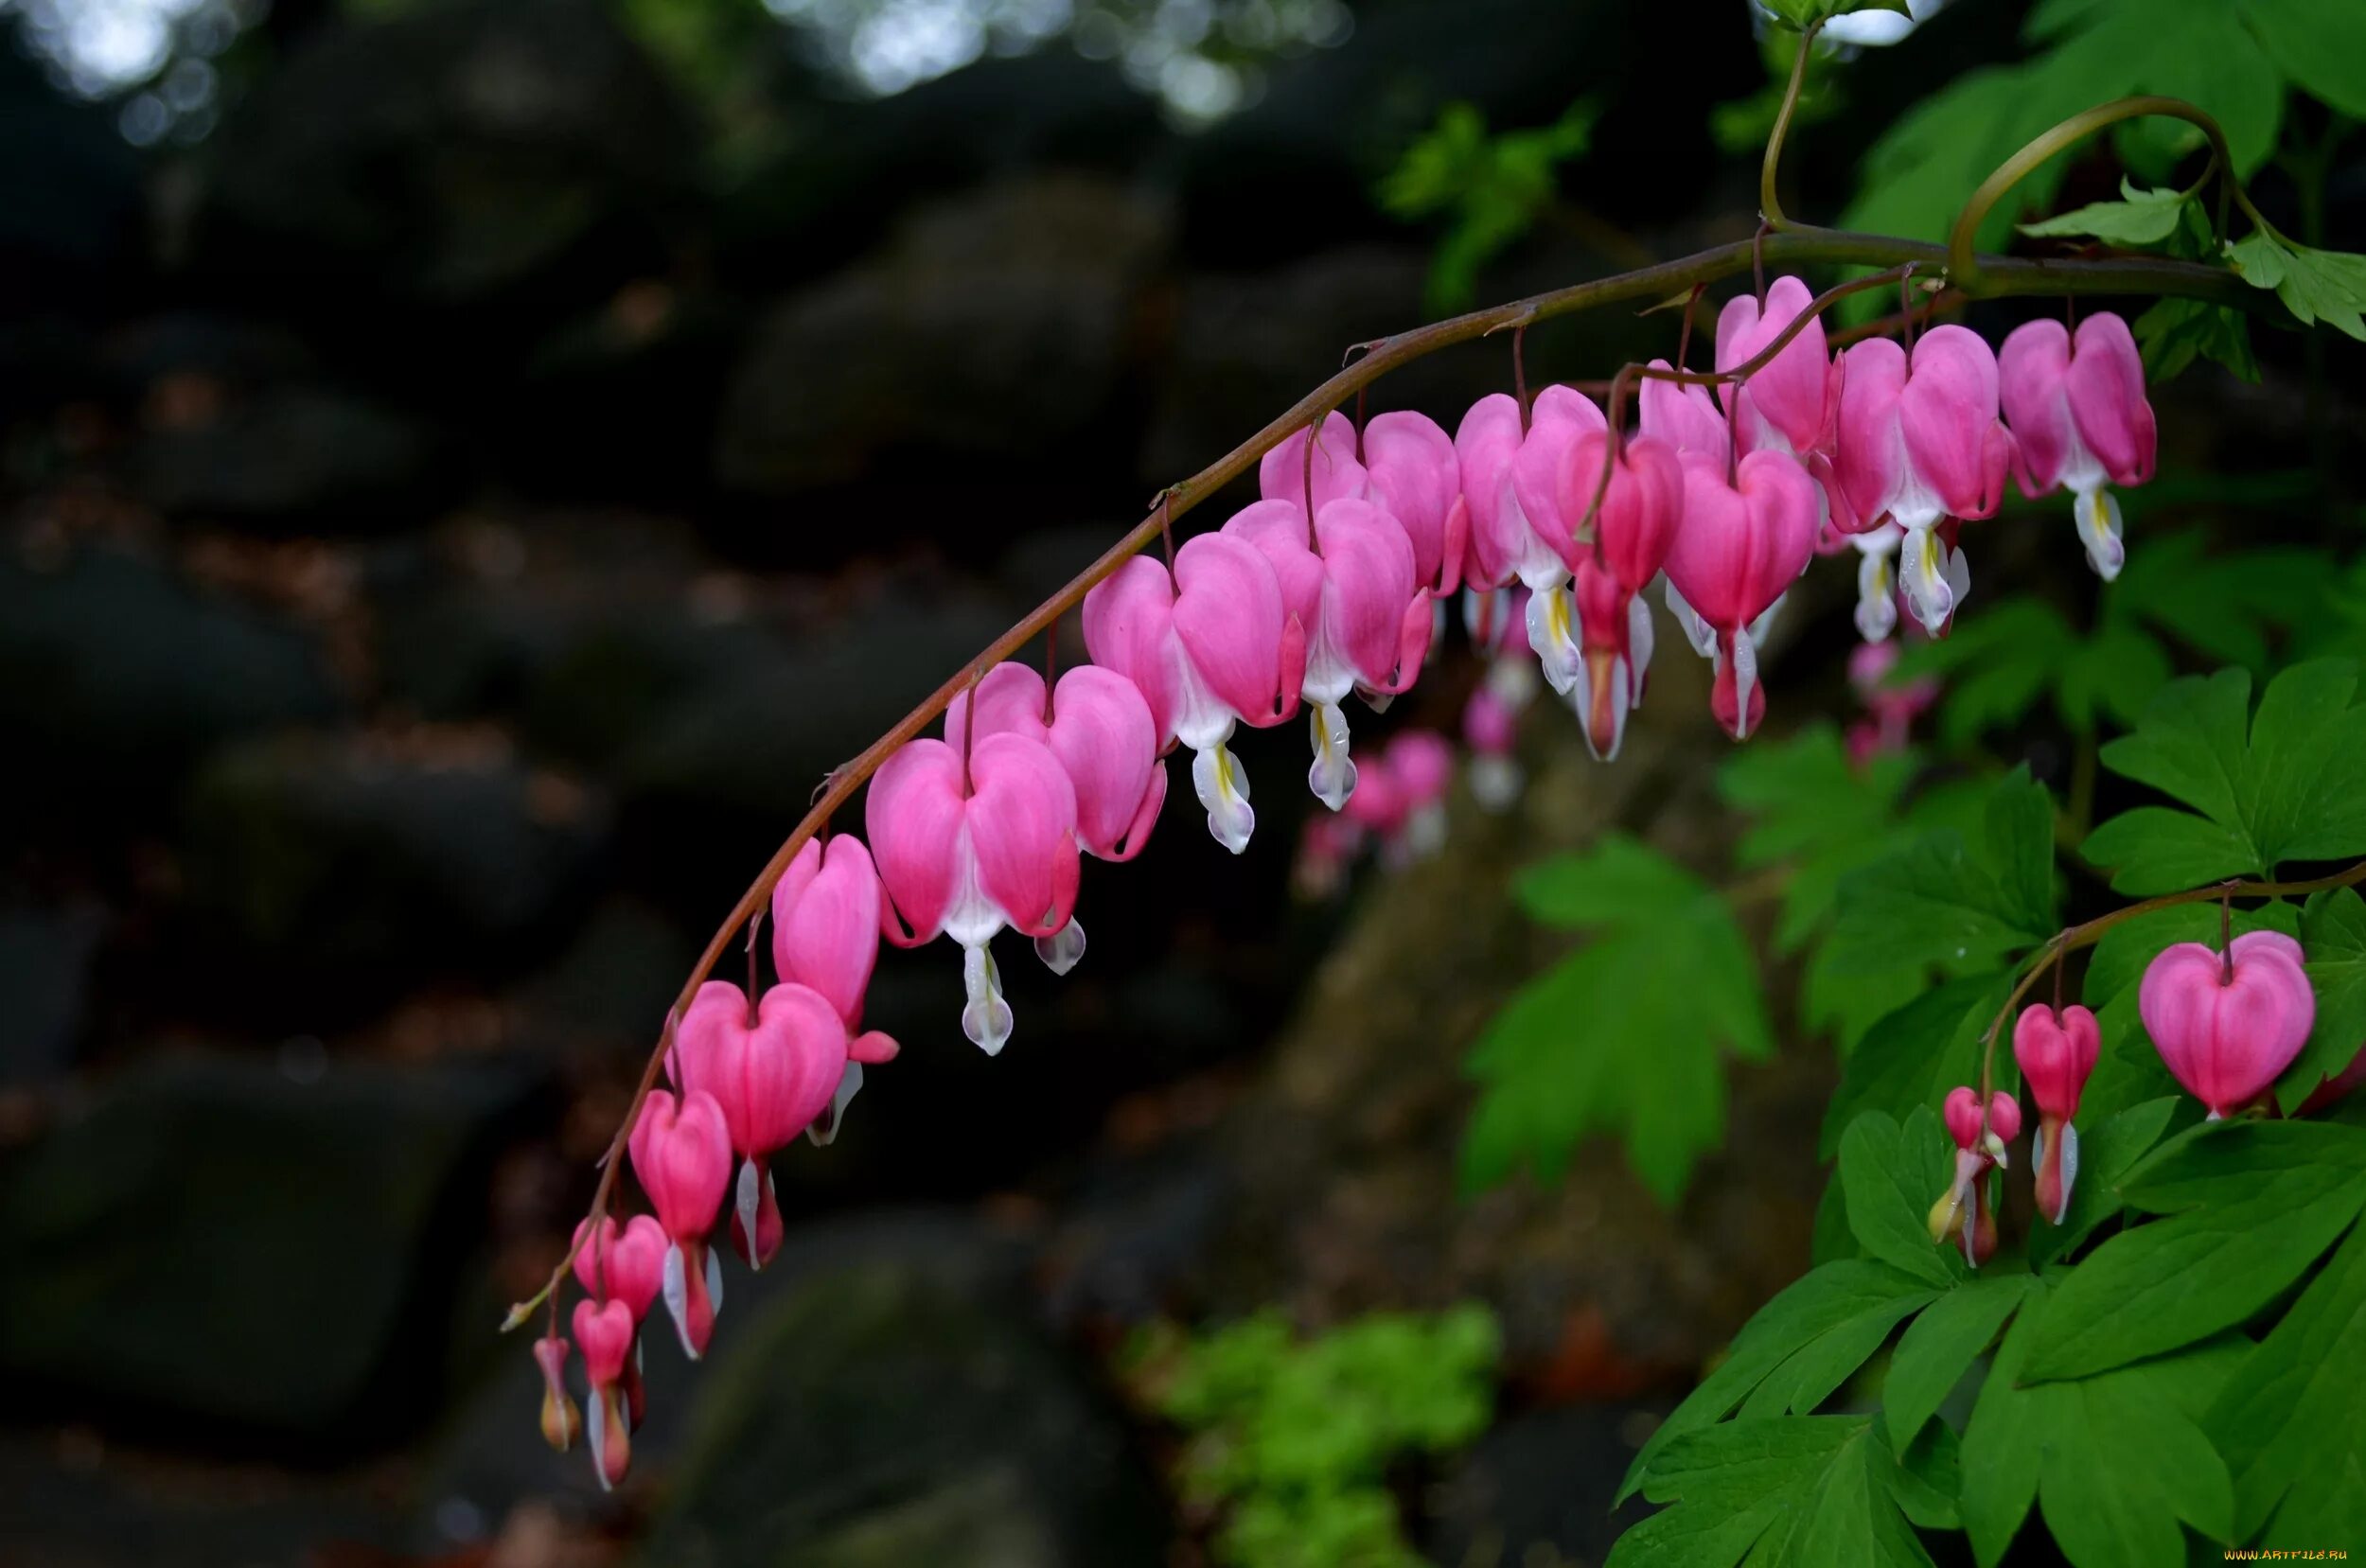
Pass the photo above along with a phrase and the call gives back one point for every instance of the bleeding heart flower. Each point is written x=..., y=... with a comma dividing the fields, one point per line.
x=825, y=934
x=1283, y=474
x=968, y=846
x=622, y=1262
x=604, y=1333
x=1961, y=1214
x=1511, y=485
x=1919, y=441
x=1491, y=726
x=1366, y=617
x=1097, y=723
x=1210, y=647
x=681, y=1152
x=2229, y=1023
x=2056, y=1052
x=1420, y=763
x=1413, y=476
x=1792, y=401
x=1741, y=546
x=1684, y=415
x=2079, y=418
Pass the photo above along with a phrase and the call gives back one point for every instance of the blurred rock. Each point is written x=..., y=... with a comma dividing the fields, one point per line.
x=289, y=456
x=45, y=978
x=996, y=323
x=117, y=674
x=609, y=990
x=882, y=1414
x=233, y=1246
x=343, y=854
x=441, y=152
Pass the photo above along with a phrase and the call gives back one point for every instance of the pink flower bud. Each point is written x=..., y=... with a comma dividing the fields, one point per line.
x=1791, y=401
x=623, y=1263
x=825, y=922
x=1415, y=476
x=560, y=1423
x=2229, y=1023
x=1963, y=1120
x=1962, y=1212
x=2079, y=418
x=1741, y=546
x=967, y=855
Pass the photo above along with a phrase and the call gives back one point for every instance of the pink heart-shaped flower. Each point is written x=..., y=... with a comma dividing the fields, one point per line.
x=2229, y=1023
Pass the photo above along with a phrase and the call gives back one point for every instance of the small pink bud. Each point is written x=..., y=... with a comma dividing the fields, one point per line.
x=2228, y=1024
x=1963, y=1120
x=682, y=1153
x=604, y=1334
x=561, y=1422
x=2056, y=1052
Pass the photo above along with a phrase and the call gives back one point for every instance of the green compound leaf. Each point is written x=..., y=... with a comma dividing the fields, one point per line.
x=2291, y=1421
x=1801, y=1343
x=1822, y=1491
x=2173, y=333
x=2250, y=1207
x=2117, y=1460
x=2327, y=285
x=2320, y=43
x=1627, y=1035
x=2288, y=782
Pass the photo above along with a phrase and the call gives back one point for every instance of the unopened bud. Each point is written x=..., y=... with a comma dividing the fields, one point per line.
x=561, y=1425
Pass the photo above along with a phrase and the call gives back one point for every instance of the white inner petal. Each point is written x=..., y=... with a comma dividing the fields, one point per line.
x=986, y=1017
x=1332, y=776
x=1552, y=633
x=1063, y=949
x=1223, y=788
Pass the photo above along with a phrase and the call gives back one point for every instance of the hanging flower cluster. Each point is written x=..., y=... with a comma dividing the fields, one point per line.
x=2227, y=1021
x=1547, y=515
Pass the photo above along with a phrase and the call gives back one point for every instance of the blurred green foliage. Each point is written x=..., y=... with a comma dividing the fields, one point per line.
x=1488, y=190
x=1292, y=1440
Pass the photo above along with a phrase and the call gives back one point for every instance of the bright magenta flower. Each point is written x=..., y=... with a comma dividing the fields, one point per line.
x=966, y=846
x=1365, y=616
x=1741, y=546
x=1212, y=647
x=1919, y=441
x=825, y=934
x=1097, y=723
x=2229, y=1023
x=681, y=1152
x=1511, y=485
x=1413, y=474
x=2079, y=418
x=773, y=1074
x=2056, y=1052
x=1792, y=402
x=622, y=1262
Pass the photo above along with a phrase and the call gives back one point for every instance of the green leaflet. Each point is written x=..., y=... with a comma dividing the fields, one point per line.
x=2117, y=1459
x=2287, y=783
x=1940, y=1345
x=1822, y=1491
x=1892, y=1175
x=1831, y=1310
x=2249, y=1206
x=2292, y=1421
x=1627, y=1034
x=2327, y=285
x=1955, y=899
x=2141, y=218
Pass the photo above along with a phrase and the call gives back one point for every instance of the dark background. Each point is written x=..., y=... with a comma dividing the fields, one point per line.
x=467, y=477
